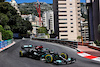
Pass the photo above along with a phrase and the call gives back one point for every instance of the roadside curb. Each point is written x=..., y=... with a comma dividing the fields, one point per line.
x=88, y=56
x=7, y=46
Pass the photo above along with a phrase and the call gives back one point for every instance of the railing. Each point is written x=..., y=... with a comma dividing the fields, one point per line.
x=5, y=43
x=72, y=44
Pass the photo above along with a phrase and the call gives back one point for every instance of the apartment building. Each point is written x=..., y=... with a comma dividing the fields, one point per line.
x=67, y=19
x=93, y=9
x=85, y=30
x=48, y=21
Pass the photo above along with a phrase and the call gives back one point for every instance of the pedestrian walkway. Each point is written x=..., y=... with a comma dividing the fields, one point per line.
x=85, y=49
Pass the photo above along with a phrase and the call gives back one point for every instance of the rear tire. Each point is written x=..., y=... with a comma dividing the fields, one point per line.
x=22, y=53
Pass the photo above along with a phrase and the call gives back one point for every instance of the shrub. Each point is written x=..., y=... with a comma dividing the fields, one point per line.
x=6, y=34
x=97, y=42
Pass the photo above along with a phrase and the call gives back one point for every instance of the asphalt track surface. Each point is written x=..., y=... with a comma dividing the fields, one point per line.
x=10, y=57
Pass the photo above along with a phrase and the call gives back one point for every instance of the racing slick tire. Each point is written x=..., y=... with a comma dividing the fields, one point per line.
x=49, y=58
x=22, y=53
x=64, y=55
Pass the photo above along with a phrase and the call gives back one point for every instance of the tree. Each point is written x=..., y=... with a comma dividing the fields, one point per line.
x=6, y=34
x=14, y=21
x=7, y=27
x=1, y=28
x=3, y=19
x=79, y=37
x=42, y=30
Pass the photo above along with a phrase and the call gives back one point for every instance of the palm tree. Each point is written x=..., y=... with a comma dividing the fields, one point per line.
x=79, y=37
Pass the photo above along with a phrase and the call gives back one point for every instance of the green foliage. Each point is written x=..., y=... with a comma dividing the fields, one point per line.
x=1, y=28
x=7, y=27
x=99, y=27
x=79, y=37
x=12, y=19
x=3, y=19
x=97, y=42
x=6, y=34
x=42, y=30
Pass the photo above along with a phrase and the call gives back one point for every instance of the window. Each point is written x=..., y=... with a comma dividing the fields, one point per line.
x=62, y=11
x=62, y=27
x=63, y=31
x=62, y=19
x=71, y=11
x=71, y=27
x=70, y=3
x=78, y=10
x=64, y=35
x=71, y=15
x=79, y=22
x=79, y=30
x=78, y=14
x=63, y=23
x=71, y=19
x=62, y=15
x=72, y=31
x=78, y=18
x=62, y=7
x=71, y=23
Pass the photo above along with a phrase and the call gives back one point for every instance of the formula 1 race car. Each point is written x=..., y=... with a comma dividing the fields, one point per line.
x=44, y=54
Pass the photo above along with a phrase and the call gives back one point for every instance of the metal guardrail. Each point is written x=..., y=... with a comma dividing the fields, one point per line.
x=72, y=44
x=5, y=43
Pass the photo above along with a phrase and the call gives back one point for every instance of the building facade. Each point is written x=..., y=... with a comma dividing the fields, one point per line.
x=85, y=30
x=48, y=21
x=14, y=4
x=93, y=8
x=67, y=19
x=34, y=20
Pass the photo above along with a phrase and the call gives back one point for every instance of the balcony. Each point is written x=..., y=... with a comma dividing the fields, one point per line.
x=88, y=1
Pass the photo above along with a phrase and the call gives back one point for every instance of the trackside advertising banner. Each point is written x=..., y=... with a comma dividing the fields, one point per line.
x=5, y=43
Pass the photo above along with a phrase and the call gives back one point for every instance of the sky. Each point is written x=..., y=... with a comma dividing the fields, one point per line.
x=28, y=1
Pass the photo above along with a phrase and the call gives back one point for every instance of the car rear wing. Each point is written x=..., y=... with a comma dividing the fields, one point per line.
x=26, y=46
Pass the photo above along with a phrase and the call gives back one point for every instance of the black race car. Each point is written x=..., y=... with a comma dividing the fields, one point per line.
x=38, y=52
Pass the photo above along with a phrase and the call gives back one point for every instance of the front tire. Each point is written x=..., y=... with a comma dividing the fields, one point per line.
x=64, y=55
x=48, y=58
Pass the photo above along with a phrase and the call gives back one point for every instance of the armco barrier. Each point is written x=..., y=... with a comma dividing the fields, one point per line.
x=5, y=43
x=72, y=44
